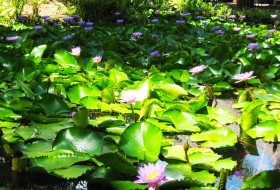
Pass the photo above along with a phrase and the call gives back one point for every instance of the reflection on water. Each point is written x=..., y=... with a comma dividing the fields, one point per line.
x=268, y=158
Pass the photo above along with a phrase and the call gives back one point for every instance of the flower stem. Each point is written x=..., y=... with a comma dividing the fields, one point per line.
x=132, y=110
x=212, y=95
x=249, y=90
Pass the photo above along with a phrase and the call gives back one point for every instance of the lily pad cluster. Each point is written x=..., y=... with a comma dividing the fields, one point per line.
x=66, y=111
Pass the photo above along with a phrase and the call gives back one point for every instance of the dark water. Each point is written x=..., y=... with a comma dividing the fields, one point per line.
x=266, y=158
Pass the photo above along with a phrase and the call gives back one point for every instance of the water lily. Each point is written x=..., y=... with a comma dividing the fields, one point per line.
x=97, y=59
x=21, y=17
x=137, y=34
x=154, y=53
x=236, y=29
x=154, y=36
x=243, y=76
x=180, y=21
x=154, y=21
x=75, y=16
x=89, y=24
x=267, y=36
x=81, y=22
x=67, y=37
x=242, y=17
x=56, y=24
x=119, y=21
x=128, y=96
x=12, y=38
x=272, y=31
x=217, y=27
x=250, y=36
x=38, y=27
x=204, y=23
x=197, y=69
x=88, y=28
x=238, y=173
x=76, y=51
x=219, y=32
x=68, y=19
x=232, y=17
x=184, y=14
x=152, y=174
x=253, y=46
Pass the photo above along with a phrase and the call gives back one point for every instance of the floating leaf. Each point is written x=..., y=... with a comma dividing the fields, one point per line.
x=61, y=161
x=53, y=106
x=221, y=115
x=268, y=130
x=263, y=180
x=71, y=172
x=117, y=76
x=250, y=114
x=66, y=60
x=76, y=93
x=172, y=91
x=79, y=140
x=176, y=152
x=34, y=149
x=226, y=138
x=81, y=118
x=142, y=140
x=183, y=121
x=117, y=162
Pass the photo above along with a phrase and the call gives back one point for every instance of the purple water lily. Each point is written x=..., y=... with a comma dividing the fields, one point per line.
x=152, y=174
x=154, y=53
x=253, y=46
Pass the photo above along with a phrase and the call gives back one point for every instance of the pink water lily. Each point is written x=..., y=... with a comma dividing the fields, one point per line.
x=243, y=76
x=152, y=174
x=76, y=51
x=12, y=38
x=129, y=96
x=97, y=59
x=197, y=69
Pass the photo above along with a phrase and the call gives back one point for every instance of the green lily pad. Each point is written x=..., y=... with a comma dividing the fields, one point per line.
x=142, y=140
x=268, y=130
x=226, y=138
x=79, y=139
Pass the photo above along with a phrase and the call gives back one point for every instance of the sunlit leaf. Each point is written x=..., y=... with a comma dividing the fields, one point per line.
x=142, y=140
x=226, y=138
x=250, y=114
x=269, y=130
x=182, y=121
x=76, y=93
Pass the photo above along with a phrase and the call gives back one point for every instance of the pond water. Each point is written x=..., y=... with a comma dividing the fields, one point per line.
x=268, y=158
x=252, y=156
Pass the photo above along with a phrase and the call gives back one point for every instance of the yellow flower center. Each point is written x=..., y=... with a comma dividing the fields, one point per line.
x=152, y=175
